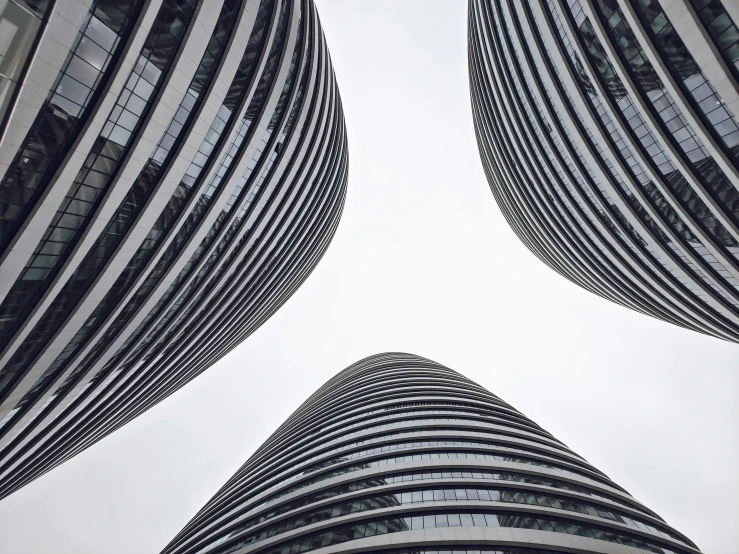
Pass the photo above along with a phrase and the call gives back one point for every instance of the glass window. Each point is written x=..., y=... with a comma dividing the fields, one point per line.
x=18, y=29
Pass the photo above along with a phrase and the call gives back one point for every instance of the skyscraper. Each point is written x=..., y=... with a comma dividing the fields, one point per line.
x=400, y=455
x=172, y=171
x=608, y=132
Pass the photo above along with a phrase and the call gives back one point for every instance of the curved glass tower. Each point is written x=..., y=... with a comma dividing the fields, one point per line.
x=169, y=176
x=609, y=135
x=398, y=454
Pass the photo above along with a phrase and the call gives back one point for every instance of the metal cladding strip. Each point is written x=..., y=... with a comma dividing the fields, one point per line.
x=569, y=194
x=680, y=160
x=140, y=370
x=197, y=363
x=482, y=136
x=313, y=427
x=238, y=50
x=731, y=8
x=599, y=205
x=162, y=113
x=218, y=90
x=620, y=207
x=632, y=191
x=429, y=496
x=44, y=58
x=564, y=213
x=279, y=241
x=14, y=259
x=239, y=294
x=690, y=113
x=642, y=158
x=131, y=244
x=149, y=401
x=195, y=137
x=705, y=50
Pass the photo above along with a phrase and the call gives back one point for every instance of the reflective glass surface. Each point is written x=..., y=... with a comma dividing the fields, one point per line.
x=242, y=195
x=722, y=29
x=574, y=173
x=63, y=114
x=451, y=494
x=451, y=454
x=653, y=153
x=93, y=180
x=676, y=55
x=259, y=511
x=179, y=201
x=437, y=520
x=141, y=190
x=674, y=124
x=19, y=27
x=177, y=204
x=286, y=138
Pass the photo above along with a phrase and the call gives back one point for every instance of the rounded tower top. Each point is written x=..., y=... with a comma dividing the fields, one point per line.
x=397, y=453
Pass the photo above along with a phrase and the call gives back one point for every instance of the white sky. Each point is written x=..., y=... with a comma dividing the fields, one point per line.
x=422, y=262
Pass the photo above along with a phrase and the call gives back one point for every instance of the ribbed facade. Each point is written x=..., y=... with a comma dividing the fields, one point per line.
x=608, y=133
x=171, y=172
x=398, y=454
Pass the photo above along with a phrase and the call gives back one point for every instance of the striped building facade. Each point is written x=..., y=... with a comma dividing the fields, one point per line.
x=400, y=455
x=609, y=135
x=170, y=172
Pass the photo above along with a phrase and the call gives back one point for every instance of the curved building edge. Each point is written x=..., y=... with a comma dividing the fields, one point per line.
x=180, y=174
x=400, y=455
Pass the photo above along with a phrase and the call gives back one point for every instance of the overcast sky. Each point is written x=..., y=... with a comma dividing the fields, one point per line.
x=422, y=262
